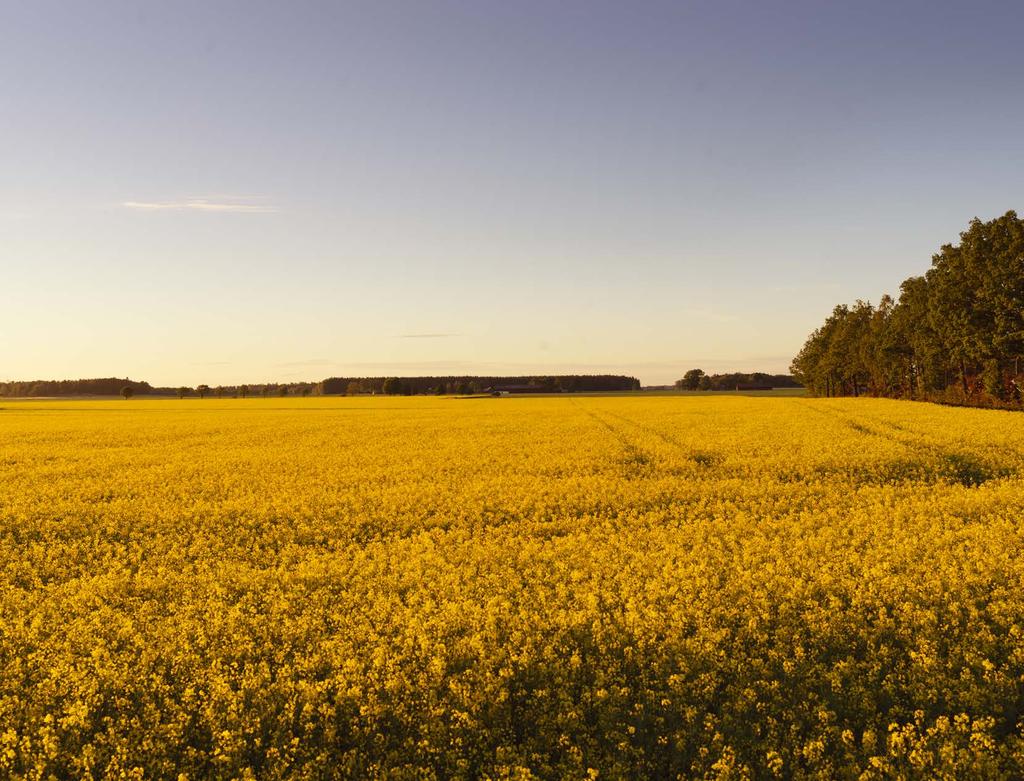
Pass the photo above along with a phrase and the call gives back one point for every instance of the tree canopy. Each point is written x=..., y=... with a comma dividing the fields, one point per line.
x=955, y=334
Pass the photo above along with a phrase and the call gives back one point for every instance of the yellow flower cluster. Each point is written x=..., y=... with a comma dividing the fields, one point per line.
x=576, y=587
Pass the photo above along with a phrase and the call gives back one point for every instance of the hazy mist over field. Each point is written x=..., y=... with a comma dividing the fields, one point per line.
x=238, y=191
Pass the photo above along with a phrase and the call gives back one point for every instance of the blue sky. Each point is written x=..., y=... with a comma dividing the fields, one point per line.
x=242, y=191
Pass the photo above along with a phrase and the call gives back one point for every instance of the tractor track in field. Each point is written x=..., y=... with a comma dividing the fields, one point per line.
x=700, y=457
x=636, y=458
x=961, y=466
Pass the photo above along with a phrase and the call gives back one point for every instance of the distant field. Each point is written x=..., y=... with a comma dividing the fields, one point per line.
x=685, y=585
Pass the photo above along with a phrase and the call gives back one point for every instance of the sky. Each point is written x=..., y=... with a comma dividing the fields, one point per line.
x=223, y=192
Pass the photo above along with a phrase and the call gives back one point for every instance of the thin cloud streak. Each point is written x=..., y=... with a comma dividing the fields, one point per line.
x=200, y=204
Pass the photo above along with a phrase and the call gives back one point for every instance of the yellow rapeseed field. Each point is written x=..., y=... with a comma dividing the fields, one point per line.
x=571, y=587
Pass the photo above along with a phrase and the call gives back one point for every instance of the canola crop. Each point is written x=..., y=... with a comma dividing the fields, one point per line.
x=574, y=587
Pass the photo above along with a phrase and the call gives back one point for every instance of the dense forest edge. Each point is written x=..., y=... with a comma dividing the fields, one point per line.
x=954, y=336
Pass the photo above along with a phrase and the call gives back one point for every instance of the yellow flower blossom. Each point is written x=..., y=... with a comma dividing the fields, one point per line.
x=635, y=587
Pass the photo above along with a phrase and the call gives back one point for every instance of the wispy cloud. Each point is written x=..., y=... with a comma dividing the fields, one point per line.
x=243, y=204
x=426, y=336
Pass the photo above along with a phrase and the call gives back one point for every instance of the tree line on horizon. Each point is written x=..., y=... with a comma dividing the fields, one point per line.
x=696, y=379
x=954, y=335
x=100, y=386
x=122, y=386
x=468, y=384
x=332, y=386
